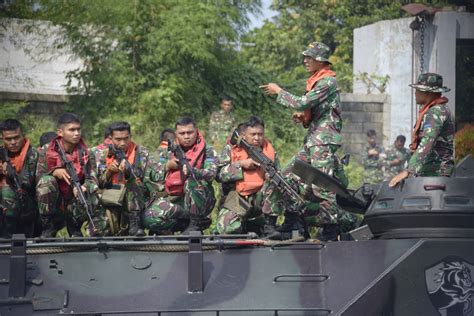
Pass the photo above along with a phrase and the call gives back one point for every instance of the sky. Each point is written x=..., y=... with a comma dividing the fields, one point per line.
x=267, y=14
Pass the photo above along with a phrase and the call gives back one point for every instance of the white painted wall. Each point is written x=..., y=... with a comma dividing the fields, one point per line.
x=23, y=67
x=386, y=48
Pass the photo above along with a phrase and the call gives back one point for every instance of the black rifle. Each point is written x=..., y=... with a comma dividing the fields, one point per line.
x=12, y=177
x=268, y=166
x=181, y=156
x=120, y=156
x=76, y=183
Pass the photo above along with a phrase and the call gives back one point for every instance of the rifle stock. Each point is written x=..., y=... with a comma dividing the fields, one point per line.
x=76, y=183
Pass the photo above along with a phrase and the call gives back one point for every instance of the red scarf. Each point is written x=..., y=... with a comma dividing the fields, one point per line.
x=19, y=159
x=253, y=179
x=415, y=136
x=322, y=73
x=118, y=177
x=174, y=182
x=54, y=162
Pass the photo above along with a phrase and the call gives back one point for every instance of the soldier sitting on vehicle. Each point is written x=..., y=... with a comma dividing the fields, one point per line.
x=124, y=170
x=187, y=170
x=59, y=201
x=18, y=159
x=433, y=135
x=242, y=208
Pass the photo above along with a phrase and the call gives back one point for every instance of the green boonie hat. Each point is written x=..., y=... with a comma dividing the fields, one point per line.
x=430, y=82
x=318, y=51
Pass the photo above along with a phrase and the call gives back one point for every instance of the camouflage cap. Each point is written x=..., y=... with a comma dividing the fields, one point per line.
x=430, y=82
x=318, y=51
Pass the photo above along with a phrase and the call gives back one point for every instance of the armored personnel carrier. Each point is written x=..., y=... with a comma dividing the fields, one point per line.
x=415, y=257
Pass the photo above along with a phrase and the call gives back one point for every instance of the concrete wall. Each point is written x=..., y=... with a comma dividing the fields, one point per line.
x=361, y=112
x=386, y=48
x=24, y=68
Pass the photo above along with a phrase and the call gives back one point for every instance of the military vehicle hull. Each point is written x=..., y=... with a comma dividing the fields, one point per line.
x=376, y=277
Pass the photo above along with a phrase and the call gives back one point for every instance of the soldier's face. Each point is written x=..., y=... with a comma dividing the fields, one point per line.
x=372, y=140
x=71, y=133
x=226, y=105
x=399, y=144
x=121, y=139
x=311, y=64
x=254, y=135
x=186, y=135
x=13, y=140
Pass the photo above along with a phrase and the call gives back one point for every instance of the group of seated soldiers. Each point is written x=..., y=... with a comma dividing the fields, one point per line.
x=119, y=188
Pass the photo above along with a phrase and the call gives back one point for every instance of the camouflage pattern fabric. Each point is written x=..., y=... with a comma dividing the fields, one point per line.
x=221, y=125
x=139, y=186
x=373, y=164
x=434, y=155
x=60, y=208
x=164, y=213
x=391, y=154
x=236, y=221
x=19, y=214
x=320, y=145
x=324, y=102
x=321, y=207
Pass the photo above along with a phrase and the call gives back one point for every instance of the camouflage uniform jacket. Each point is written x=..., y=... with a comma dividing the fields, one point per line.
x=372, y=161
x=27, y=176
x=206, y=174
x=220, y=126
x=325, y=104
x=434, y=155
x=391, y=154
x=90, y=181
x=144, y=168
x=230, y=171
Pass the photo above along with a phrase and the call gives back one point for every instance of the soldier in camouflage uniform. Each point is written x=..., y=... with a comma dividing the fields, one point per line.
x=242, y=209
x=372, y=159
x=221, y=124
x=189, y=199
x=433, y=134
x=57, y=200
x=396, y=157
x=19, y=210
x=319, y=110
x=136, y=173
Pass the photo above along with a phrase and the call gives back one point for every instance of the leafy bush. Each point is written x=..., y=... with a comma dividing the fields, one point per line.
x=464, y=142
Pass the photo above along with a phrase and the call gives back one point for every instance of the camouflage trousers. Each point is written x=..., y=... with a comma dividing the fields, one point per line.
x=164, y=214
x=114, y=220
x=18, y=215
x=321, y=206
x=239, y=213
x=54, y=207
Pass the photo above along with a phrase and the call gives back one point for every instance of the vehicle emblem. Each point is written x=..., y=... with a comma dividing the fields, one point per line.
x=449, y=286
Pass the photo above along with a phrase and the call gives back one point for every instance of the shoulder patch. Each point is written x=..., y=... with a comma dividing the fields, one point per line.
x=427, y=125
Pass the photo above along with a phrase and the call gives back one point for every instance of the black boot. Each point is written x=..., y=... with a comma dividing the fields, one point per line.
x=194, y=225
x=269, y=229
x=331, y=232
x=293, y=227
x=134, y=222
x=48, y=229
x=73, y=228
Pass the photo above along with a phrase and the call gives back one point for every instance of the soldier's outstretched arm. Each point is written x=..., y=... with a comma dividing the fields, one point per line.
x=316, y=97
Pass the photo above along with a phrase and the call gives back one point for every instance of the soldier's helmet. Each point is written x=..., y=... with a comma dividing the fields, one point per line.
x=318, y=51
x=430, y=82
